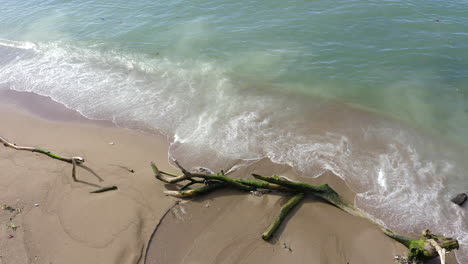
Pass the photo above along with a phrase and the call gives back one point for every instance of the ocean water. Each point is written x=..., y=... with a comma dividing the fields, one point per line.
x=375, y=91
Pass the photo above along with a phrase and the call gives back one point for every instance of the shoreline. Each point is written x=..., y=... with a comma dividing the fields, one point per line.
x=72, y=226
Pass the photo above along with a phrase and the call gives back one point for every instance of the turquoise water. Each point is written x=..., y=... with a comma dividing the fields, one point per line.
x=406, y=58
x=287, y=80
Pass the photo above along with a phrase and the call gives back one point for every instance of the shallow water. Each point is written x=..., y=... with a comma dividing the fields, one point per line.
x=373, y=90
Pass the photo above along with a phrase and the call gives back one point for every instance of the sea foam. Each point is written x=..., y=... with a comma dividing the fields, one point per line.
x=402, y=176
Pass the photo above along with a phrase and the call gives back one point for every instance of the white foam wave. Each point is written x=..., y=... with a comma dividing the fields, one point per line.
x=398, y=173
x=18, y=45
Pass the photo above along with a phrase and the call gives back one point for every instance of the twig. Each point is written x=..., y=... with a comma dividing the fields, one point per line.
x=74, y=169
x=159, y=224
x=125, y=168
x=6, y=143
x=73, y=160
x=105, y=189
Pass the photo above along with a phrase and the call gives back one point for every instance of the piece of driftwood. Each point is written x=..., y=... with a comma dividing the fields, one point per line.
x=287, y=207
x=105, y=189
x=8, y=144
x=74, y=161
x=429, y=246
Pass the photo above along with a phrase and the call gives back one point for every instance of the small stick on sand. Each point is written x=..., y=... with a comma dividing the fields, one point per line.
x=73, y=160
x=105, y=189
x=125, y=168
x=8, y=144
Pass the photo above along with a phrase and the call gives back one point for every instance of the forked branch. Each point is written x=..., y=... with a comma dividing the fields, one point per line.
x=427, y=247
x=8, y=144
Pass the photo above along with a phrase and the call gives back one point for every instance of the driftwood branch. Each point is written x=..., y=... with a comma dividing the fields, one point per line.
x=323, y=191
x=74, y=169
x=221, y=177
x=195, y=192
x=105, y=189
x=287, y=207
x=429, y=246
x=74, y=161
x=166, y=177
x=8, y=144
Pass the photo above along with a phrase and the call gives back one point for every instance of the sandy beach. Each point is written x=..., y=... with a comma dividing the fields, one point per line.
x=368, y=97
x=60, y=221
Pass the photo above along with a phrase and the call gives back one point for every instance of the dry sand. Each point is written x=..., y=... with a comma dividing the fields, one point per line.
x=71, y=225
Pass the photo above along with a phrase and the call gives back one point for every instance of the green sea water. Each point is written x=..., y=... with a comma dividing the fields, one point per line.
x=404, y=58
x=286, y=80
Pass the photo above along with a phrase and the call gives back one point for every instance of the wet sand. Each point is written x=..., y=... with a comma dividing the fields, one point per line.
x=71, y=225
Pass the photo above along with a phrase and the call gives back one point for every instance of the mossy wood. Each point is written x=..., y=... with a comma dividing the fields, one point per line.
x=429, y=246
x=74, y=161
x=287, y=207
x=8, y=144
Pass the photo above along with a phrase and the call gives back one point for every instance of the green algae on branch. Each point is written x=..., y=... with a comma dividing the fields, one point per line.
x=7, y=144
x=323, y=191
x=287, y=207
x=75, y=161
x=429, y=246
